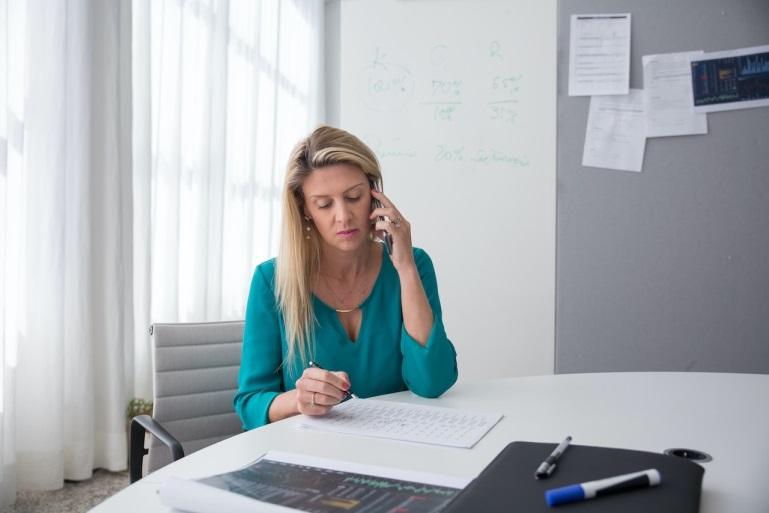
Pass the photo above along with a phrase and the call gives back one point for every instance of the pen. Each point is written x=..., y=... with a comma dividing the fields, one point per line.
x=591, y=489
x=349, y=395
x=548, y=466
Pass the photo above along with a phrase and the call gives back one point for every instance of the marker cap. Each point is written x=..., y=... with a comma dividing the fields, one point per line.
x=564, y=494
x=544, y=470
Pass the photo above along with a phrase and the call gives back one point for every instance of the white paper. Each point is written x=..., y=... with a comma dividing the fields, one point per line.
x=194, y=497
x=198, y=497
x=730, y=80
x=615, y=135
x=668, y=96
x=408, y=422
x=599, y=54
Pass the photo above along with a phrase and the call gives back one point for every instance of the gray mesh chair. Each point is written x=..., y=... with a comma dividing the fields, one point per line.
x=195, y=369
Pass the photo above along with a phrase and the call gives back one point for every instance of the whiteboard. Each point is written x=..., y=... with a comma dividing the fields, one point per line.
x=458, y=99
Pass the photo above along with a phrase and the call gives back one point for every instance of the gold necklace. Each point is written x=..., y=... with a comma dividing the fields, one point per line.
x=339, y=299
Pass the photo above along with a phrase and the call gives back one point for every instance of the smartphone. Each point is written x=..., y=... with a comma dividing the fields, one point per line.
x=375, y=203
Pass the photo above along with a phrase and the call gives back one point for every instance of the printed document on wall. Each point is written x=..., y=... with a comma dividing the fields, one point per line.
x=599, y=54
x=615, y=136
x=668, y=96
x=729, y=80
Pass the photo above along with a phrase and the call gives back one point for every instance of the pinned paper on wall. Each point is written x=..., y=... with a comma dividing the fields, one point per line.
x=668, y=96
x=599, y=54
x=615, y=136
x=732, y=79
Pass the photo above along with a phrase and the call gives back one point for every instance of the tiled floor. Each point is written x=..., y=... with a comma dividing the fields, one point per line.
x=75, y=497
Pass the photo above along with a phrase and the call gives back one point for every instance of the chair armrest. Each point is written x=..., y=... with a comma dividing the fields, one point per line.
x=140, y=425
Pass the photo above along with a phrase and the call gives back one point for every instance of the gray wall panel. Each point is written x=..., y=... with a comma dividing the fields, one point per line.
x=667, y=269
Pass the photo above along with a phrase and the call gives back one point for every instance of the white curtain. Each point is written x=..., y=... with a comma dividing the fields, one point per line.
x=222, y=92
x=66, y=326
x=95, y=247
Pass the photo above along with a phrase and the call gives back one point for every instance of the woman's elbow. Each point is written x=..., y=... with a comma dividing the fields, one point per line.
x=435, y=386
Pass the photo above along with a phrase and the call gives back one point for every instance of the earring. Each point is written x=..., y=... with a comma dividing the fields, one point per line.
x=308, y=228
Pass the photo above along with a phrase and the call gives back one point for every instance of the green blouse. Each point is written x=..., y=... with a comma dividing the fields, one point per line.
x=382, y=360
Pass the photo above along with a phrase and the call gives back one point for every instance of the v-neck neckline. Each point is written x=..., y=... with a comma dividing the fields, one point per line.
x=332, y=311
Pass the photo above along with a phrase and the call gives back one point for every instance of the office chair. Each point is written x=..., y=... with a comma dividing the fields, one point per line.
x=195, y=373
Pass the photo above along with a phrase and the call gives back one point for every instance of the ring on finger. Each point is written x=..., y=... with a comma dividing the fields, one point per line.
x=312, y=399
x=396, y=221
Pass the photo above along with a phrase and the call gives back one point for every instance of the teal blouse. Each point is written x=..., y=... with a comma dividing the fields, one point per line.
x=382, y=360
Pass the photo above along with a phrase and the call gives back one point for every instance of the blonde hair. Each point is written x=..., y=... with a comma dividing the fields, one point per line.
x=299, y=257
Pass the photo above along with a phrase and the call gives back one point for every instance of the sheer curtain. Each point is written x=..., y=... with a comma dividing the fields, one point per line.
x=222, y=92
x=95, y=247
x=65, y=225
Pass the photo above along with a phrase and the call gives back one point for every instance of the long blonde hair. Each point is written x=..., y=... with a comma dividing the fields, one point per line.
x=299, y=257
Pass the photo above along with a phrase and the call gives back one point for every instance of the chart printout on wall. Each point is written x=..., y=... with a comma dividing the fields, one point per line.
x=458, y=100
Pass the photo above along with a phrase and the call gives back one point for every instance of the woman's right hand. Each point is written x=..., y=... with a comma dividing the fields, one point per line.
x=319, y=390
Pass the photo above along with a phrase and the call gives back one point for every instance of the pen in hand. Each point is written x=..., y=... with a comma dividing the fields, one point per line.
x=348, y=394
x=548, y=466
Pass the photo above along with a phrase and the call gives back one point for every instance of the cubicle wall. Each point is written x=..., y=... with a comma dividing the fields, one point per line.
x=667, y=269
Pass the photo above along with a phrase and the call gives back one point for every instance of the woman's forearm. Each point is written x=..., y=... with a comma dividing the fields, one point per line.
x=283, y=406
x=417, y=313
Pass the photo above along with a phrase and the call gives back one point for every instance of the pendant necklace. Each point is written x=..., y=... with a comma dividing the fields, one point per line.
x=339, y=299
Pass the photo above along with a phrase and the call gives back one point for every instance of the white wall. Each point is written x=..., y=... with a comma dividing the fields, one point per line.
x=490, y=230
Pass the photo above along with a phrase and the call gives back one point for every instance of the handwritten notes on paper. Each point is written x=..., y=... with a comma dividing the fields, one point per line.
x=408, y=422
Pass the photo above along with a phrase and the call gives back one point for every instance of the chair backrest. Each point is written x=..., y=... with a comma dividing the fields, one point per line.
x=195, y=377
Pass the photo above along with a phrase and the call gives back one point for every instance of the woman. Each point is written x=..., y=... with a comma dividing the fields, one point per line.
x=336, y=297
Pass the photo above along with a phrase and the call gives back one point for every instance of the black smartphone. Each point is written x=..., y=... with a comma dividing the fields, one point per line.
x=375, y=203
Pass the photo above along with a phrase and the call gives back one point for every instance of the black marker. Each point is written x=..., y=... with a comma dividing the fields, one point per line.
x=548, y=466
x=348, y=394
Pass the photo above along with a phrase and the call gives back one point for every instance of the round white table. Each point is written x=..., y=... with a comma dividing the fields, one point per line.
x=725, y=415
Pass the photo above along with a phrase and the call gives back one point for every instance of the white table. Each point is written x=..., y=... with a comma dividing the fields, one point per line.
x=725, y=415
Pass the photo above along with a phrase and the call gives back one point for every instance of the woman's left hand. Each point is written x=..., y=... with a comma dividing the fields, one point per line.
x=398, y=227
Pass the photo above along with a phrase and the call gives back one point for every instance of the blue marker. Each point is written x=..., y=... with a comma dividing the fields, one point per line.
x=591, y=489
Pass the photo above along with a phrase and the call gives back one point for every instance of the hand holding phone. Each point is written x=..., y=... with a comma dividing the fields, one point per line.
x=375, y=203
